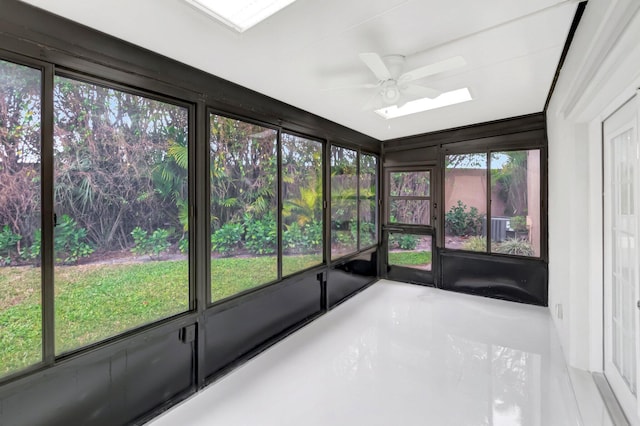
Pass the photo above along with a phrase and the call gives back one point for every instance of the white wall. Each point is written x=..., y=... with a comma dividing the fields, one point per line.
x=601, y=71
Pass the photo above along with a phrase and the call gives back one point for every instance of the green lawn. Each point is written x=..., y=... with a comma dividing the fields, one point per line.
x=410, y=258
x=94, y=302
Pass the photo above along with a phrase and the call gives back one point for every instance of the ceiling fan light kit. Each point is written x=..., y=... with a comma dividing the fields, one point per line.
x=395, y=88
x=390, y=92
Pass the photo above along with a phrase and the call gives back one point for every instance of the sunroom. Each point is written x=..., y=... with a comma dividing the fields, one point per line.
x=196, y=195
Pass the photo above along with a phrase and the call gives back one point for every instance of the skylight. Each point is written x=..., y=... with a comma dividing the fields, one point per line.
x=240, y=14
x=445, y=99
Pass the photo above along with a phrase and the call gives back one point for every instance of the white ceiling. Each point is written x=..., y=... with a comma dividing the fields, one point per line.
x=512, y=49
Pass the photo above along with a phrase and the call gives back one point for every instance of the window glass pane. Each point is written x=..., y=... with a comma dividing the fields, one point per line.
x=368, y=200
x=344, y=207
x=410, y=212
x=416, y=184
x=20, y=299
x=244, y=230
x=301, y=203
x=410, y=250
x=121, y=238
x=465, y=190
x=515, y=202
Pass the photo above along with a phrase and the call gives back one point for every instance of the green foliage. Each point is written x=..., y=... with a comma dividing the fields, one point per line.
x=511, y=180
x=305, y=208
x=293, y=238
x=515, y=246
x=261, y=235
x=346, y=237
x=183, y=245
x=302, y=239
x=33, y=252
x=518, y=223
x=367, y=234
x=403, y=241
x=69, y=242
x=475, y=244
x=459, y=221
x=152, y=245
x=226, y=240
x=8, y=241
x=313, y=235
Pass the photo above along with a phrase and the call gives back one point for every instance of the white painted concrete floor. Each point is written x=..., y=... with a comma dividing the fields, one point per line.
x=400, y=354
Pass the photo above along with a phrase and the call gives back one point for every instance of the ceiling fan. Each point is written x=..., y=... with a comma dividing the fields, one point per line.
x=395, y=87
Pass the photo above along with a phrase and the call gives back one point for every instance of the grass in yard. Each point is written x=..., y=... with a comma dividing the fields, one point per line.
x=294, y=263
x=20, y=315
x=232, y=275
x=410, y=258
x=94, y=302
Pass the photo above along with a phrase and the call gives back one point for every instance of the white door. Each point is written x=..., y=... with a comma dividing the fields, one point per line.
x=622, y=255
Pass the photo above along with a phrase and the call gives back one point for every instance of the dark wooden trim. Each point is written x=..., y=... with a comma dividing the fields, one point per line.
x=472, y=132
x=567, y=44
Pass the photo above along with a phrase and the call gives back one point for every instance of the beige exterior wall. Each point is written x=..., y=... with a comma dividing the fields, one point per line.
x=470, y=187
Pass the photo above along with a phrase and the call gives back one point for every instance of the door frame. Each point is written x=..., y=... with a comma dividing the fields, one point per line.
x=407, y=274
x=629, y=403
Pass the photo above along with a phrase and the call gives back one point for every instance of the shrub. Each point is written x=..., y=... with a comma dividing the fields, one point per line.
x=403, y=241
x=458, y=221
x=8, y=241
x=475, y=244
x=367, y=234
x=313, y=235
x=69, y=241
x=302, y=239
x=33, y=252
x=293, y=238
x=518, y=223
x=227, y=239
x=183, y=245
x=515, y=246
x=153, y=245
x=261, y=235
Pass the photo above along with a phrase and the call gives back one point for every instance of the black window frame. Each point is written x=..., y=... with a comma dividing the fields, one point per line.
x=359, y=249
x=389, y=198
x=523, y=141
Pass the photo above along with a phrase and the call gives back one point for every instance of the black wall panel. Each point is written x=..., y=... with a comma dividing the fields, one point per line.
x=351, y=275
x=411, y=157
x=236, y=330
x=106, y=386
x=409, y=275
x=516, y=279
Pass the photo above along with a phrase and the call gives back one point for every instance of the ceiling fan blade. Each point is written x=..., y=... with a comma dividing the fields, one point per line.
x=431, y=69
x=412, y=92
x=375, y=102
x=376, y=65
x=354, y=86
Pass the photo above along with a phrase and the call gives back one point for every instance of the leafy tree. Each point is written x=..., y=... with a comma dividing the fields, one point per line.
x=20, y=149
x=511, y=181
x=109, y=146
x=243, y=170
